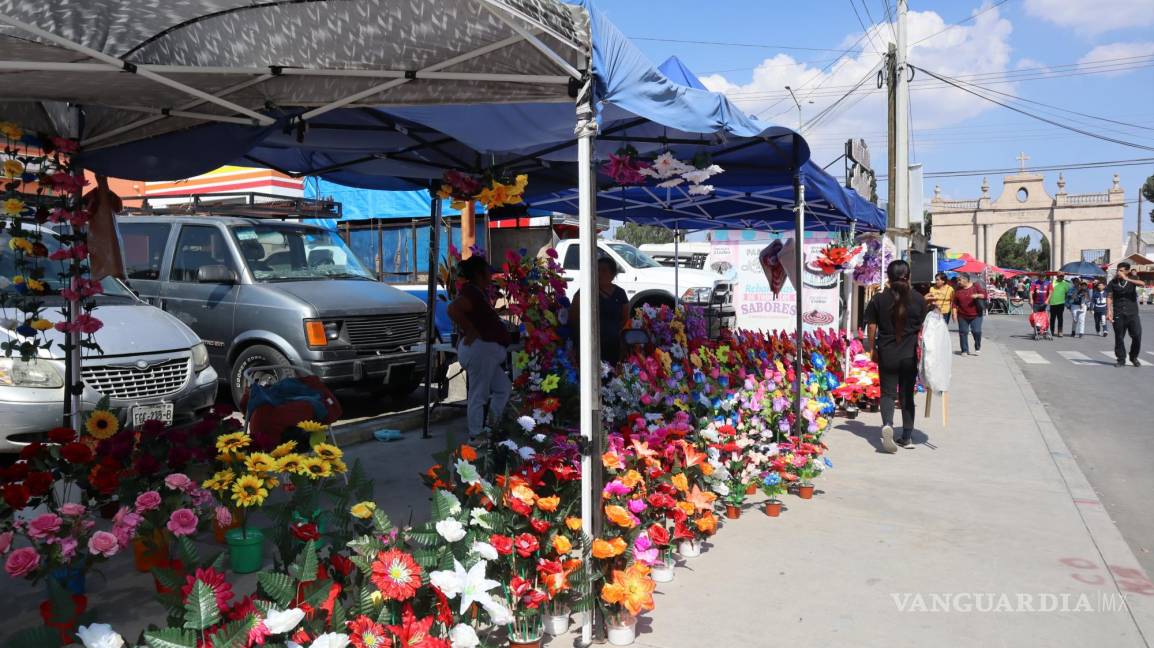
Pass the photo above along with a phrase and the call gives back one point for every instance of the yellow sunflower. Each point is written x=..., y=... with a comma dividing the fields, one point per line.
x=41, y=324
x=13, y=168
x=290, y=463
x=363, y=510
x=311, y=426
x=248, y=491
x=102, y=424
x=220, y=481
x=283, y=449
x=271, y=482
x=12, y=207
x=232, y=442
x=327, y=451
x=21, y=244
x=316, y=468
x=339, y=467
x=260, y=462
x=11, y=130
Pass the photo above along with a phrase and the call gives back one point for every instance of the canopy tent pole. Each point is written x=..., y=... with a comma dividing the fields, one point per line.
x=676, y=264
x=73, y=383
x=799, y=270
x=431, y=302
x=590, y=358
x=849, y=291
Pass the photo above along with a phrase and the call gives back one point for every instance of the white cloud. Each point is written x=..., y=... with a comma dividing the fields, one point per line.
x=978, y=47
x=1096, y=17
x=1031, y=64
x=1103, y=57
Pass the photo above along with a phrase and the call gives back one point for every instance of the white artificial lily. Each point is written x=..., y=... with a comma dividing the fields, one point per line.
x=282, y=621
x=451, y=530
x=485, y=550
x=471, y=584
x=99, y=635
x=330, y=640
x=498, y=613
x=467, y=472
x=464, y=636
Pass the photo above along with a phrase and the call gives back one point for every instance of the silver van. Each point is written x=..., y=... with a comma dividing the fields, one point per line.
x=264, y=292
x=150, y=366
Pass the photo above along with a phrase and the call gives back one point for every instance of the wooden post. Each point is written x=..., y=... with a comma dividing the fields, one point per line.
x=468, y=229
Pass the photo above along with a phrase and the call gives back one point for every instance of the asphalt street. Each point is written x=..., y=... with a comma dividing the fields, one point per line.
x=1104, y=413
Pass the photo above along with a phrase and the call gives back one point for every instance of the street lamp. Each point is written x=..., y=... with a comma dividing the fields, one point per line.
x=798, y=104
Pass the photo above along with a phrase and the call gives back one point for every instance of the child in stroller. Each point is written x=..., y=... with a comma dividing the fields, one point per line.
x=1040, y=322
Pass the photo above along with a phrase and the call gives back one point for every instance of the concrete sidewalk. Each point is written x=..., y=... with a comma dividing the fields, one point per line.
x=992, y=505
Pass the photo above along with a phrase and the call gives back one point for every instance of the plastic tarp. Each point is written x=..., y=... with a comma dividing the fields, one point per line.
x=937, y=353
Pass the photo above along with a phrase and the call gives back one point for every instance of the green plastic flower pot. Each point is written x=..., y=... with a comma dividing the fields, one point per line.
x=245, y=550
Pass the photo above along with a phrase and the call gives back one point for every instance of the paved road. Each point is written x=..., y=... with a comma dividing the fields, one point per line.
x=1105, y=414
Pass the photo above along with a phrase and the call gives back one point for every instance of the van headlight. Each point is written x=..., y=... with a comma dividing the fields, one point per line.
x=199, y=357
x=37, y=373
x=697, y=295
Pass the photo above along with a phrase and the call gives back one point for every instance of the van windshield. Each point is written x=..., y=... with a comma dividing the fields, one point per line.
x=278, y=252
x=113, y=288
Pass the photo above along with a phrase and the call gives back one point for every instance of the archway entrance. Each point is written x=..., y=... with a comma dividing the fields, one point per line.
x=1023, y=248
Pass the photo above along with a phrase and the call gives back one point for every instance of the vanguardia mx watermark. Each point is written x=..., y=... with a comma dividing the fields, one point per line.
x=992, y=602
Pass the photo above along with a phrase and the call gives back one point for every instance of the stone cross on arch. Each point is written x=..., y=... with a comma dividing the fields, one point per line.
x=1022, y=157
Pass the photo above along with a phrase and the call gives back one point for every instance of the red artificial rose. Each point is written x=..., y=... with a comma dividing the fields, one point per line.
x=659, y=535
x=15, y=495
x=540, y=526
x=62, y=435
x=305, y=532
x=519, y=586
x=32, y=450
x=38, y=483
x=16, y=472
x=526, y=544
x=503, y=544
x=76, y=453
x=519, y=507
x=340, y=564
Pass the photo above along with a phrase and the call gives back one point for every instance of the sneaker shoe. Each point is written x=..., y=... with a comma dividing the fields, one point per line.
x=1103, y=333
x=888, y=439
x=1135, y=362
x=906, y=443
x=1120, y=363
x=977, y=352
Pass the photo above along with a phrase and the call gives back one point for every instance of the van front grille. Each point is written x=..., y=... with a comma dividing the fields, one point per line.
x=129, y=382
x=387, y=331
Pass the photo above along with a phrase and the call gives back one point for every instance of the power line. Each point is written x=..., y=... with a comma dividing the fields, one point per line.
x=1052, y=167
x=853, y=5
x=960, y=22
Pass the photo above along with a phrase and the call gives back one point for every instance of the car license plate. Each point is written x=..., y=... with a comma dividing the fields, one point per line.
x=163, y=412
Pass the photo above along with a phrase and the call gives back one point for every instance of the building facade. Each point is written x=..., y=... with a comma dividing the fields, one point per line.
x=1077, y=226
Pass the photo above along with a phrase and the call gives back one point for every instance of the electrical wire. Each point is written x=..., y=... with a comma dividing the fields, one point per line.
x=964, y=173
x=866, y=30
x=960, y=22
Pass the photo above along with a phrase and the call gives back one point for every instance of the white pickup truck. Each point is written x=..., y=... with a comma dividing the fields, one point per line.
x=646, y=281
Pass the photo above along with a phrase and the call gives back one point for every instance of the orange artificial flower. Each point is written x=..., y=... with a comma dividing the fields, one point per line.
x=632, y=589
x=701, y=499
x=612, y=461
x=706, y=524
x=574, y=523
x=686, y=507
x=631, y=478
x=644, y=453
x=524, y=494
x=468, y=453
x=680, y=482
x=707, y=469
x=549, y=504
x=608, y=549
x=693, y=456
x=619, y=516
x=561, y=545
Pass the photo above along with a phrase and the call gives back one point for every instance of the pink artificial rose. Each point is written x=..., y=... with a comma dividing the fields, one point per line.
x=22, y=562
x=44, y=527
x=200, y=497
x=68, y=548
x=103, y=543
x=5, y=542
x=72, y=510
x=223, y=516
x=178, y=482
x=147, y=501
x=182, y=522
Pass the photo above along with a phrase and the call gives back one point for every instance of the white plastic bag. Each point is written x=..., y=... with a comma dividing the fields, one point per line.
x=937, y=353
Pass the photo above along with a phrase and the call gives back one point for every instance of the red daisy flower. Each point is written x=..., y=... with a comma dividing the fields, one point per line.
x=396, y=574
x=366, y=633
x=215, y=580
x=413, y=632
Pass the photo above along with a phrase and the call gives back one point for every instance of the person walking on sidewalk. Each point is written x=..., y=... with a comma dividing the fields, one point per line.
x=1076, y=300
x=1040, y=293
x=1098, y=302
x=1122, y=310
x=482, y=349
x=894, y=321
x=968, y=307
x=1058, y=304
x=941, y=296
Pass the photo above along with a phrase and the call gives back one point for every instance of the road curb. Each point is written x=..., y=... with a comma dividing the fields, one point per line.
x=408, y=420
x=1115, y=554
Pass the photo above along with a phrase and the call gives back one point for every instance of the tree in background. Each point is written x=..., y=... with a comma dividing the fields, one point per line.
x=1148, y=193
x=1017, y=252
x=638, y=235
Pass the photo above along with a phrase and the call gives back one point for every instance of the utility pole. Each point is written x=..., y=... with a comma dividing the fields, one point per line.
x=1138, y=245
x=899, y=136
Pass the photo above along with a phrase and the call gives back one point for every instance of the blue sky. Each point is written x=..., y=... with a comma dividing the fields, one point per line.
x=1094, y=57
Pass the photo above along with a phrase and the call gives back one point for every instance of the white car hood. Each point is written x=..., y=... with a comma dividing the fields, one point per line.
x=129, y=329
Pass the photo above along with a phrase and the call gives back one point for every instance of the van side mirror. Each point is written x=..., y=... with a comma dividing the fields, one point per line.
x=215, y=274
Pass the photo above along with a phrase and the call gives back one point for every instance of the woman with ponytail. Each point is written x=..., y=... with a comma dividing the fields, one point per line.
x=894, y=322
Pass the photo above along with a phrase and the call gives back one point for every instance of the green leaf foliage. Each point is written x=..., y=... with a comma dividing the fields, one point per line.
x=234, y=634
x=304, y=568
x=39, y=637
x=170, y=638
x=200, y=610
x=281, y=588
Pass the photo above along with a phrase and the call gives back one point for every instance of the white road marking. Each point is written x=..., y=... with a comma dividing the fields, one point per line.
x=1076, y=357
x=1108, y=354
x=1032, y=357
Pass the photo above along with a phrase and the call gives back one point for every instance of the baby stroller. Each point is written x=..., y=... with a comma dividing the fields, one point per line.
x=1040, y=322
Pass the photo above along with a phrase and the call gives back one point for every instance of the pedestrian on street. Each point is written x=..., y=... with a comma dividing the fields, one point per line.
x=1077, y=300
x=968, y=307
x=1040, y=293
x=1098, y=301
x=1122, y=310
x=1057, y=303
x=894, y=321
x=483, y=346
x=941, y=296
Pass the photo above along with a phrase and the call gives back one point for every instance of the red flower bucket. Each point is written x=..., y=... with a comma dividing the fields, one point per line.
x=64, y=622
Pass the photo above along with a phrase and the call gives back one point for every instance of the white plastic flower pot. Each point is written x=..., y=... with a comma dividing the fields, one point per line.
x=622, y=631
x=556, y=624
x=661, y=573
x=689, y=548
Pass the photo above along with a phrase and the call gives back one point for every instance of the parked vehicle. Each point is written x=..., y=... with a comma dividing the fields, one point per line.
x=688, y=254
x=263, y=293
x=647, y=282
x=150, y=365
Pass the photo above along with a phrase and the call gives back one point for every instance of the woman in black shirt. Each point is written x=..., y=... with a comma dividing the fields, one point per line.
x=612, y=311
x=894, y=321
